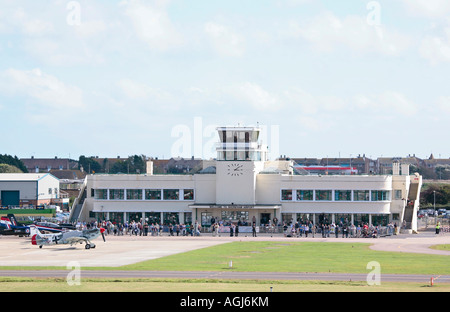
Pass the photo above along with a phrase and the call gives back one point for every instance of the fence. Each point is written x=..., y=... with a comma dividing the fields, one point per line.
x=430, y=222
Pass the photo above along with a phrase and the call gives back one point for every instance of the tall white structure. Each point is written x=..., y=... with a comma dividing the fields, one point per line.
x=242, y=185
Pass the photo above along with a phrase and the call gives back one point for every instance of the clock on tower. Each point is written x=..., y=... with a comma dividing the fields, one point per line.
x=235, y=169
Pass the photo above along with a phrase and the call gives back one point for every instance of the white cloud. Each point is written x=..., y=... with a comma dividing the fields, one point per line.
x=326, y=32
x=138, y=91
x=292, y=3
x=48, y=90
x=15, y=19
x=444, y=103
x=304, y=102
x=89, y=29
x=387, y=103
x=314, y=123
x=225, y=41
x=428, y=8
x=152, y=24
x=255, y=95
x=436, y=47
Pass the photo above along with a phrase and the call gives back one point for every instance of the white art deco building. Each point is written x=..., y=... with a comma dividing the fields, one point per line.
x=241, y=184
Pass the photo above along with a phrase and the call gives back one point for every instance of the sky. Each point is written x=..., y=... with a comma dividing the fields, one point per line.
x=156, y=77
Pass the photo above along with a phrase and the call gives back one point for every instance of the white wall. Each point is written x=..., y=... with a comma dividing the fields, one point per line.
x=44, y=184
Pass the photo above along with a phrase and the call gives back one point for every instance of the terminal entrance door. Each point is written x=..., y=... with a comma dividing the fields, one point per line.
x=265, y=217
x=324, y=218
x=135, y=216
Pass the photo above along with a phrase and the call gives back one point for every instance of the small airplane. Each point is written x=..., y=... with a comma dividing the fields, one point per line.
x=51, y=227
x=10, y=226
x=69, y=237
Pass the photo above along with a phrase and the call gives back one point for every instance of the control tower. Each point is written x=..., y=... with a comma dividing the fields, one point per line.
x=240, y=157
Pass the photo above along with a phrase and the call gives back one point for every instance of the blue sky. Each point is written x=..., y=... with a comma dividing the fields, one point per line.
x=324, y=78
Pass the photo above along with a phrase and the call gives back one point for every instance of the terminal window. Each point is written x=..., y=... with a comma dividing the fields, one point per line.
x=153, y=194
x=100, y=194
x=305, y=195
x=361, y=195
x=171, y=194
x=117, y=194
x=380, y=195
x=343, y=195
x=134, y=194
x=188, y=194
x=286, y=194
x=324, y=195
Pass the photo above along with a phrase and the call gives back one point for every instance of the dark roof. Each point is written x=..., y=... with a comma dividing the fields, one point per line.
x=68, y=174
x=45, y=163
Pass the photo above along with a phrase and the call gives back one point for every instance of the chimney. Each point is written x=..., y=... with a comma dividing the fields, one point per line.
x=405, y=169
x=395, y=168
x=149, y=167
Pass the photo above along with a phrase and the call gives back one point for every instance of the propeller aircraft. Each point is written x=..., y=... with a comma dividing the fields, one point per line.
x=69, y=237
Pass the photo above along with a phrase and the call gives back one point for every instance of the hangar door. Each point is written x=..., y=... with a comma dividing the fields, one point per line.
x=10, y=198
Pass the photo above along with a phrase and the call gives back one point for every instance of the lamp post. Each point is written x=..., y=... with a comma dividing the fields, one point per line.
x=434, y=206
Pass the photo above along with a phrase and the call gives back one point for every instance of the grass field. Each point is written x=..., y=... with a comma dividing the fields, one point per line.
x=201, y=285
x=297, y=257
x=289, y=257
x=441, y=247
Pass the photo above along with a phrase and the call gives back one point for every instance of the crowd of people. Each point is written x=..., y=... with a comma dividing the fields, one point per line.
x=138, y=228
x=293, y=229
x=346, y=230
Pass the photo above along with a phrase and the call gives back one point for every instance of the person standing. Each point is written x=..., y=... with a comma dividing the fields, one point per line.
x=216, y=229
x=438, y=227
x=254, y=229
x=188, y=229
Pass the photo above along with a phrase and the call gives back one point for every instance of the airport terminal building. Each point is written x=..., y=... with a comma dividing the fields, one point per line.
x=242, y=185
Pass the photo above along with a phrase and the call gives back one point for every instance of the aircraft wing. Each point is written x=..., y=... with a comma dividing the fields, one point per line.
x=76, y=239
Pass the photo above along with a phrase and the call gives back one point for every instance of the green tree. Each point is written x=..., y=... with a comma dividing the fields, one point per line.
x=13, y=161
x=436, y=191
x=442, y=172
x=133, y=165
x=4, y=168
x=89, y=165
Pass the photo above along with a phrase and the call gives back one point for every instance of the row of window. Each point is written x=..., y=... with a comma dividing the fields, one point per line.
x=335, y=195
x=146, y=194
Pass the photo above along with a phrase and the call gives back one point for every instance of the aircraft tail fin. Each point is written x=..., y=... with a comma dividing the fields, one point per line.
x=5, y=222
x=34, y=230
x=13, y=219
x=36, y=236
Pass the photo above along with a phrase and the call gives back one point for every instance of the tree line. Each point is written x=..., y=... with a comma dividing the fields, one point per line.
x=11, y=164
x=435, y=193
x=135, y=164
